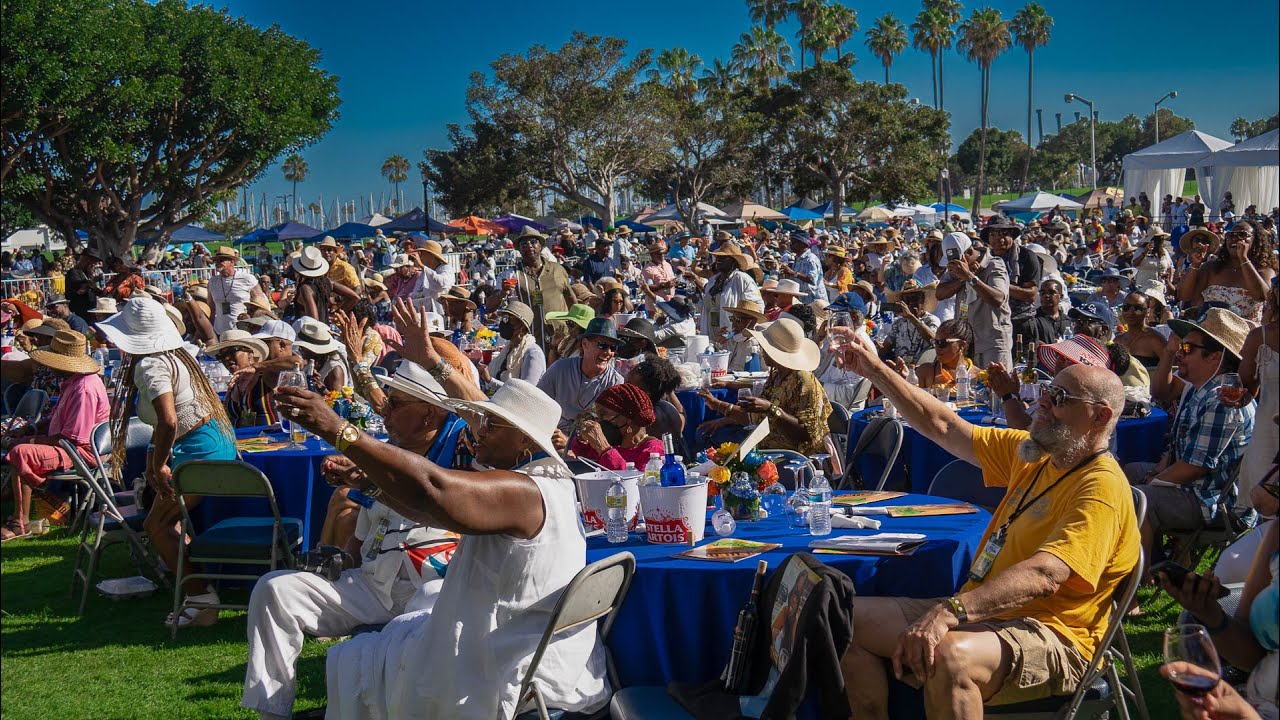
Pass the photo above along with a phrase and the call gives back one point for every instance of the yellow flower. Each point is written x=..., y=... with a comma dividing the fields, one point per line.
x=726, y=450
x=719, y=474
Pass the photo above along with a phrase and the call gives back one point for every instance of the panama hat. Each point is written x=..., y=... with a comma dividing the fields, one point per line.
x=788, y=287
x=329, y=242
x=582, y=293
x=749, y=308
x=412, y=379
x=525, y=407
x=1155, y=231
x=785, y=344
x=275, y=329
x=768, y=286
x=142, y=328
x=1075, y=350
x=240, y=340
x=459, y=295
x=309, y=263
x=731, y=250
x=578, y=314
x=432, y=248
x=879, y=242
x=316, y=337
x=819, y=308
x=226, y=252
x=399, y=261
x=520, y=311
x=1154, y=290
x=530, y=231
x=66, y=353
x=375, y=282
x=104, y=306
x=623, y=231
x=1223, y=326
x=1188, y=240
x=836, y=251
x=913, y=287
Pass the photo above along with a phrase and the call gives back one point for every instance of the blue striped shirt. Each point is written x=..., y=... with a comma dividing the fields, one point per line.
x=1210, y=435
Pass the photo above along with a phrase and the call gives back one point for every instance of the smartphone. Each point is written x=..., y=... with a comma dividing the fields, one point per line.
x=1178, y=574
x=953, y=254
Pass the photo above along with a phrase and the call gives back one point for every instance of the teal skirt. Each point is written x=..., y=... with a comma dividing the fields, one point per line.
x=203, y=443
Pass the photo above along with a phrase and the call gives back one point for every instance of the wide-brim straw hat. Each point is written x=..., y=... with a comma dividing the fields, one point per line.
x=239, y=339
x=785, y=344
x=412, y=379
x=1224, y=326
x=433, y=248
x=732, y=251
x=104, y=306
x=329, y=242
x=309, y=263
x=142, y=328
x=458, y=295
x=749, y=308
x=1154, y=232
x=1188, y=239
x=912, y=287
x=788, y=287
x=316, y=337
x=374, y=282
x=66, y=353
x=527, y=408
x=622, y=231
x=175, y=317
x=226, y=252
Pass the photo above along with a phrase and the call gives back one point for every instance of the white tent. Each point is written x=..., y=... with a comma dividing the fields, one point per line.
x=1161, y=169
x=672, y=212
x=918, y=213
x=1038, y=201
x=1250, y=171
x=375, y=220
x=40, y=236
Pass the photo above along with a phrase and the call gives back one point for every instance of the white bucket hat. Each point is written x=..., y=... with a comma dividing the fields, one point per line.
x=785, y=344
x=105, y=306
x=142, y=328
x=310, y=263
x=526, y=407
x=315, y=336
x=399, y=261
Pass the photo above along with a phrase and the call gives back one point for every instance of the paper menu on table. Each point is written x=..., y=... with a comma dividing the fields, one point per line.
x=760, y=433
x=862, y=497
x=887, y=543
x=728, y=550
x=898, y=511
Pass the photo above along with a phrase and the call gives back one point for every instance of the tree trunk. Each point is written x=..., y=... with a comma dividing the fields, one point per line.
x=982, y=147
x=942, y=94
x=886, y=74
x=837, y=203
x=1026, y=163
x=295, y=197
x=933, y=69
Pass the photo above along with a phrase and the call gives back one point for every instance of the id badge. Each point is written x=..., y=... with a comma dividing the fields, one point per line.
x=226, y=308
x=378, y=536
x=987, y=558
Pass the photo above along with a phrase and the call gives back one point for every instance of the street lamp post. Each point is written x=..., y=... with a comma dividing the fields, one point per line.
x=1093, y=140
x=1169, y=95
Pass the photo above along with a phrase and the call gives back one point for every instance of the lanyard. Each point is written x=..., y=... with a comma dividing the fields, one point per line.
x=1024, y=504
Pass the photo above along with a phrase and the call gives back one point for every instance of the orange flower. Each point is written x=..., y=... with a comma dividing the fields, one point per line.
x=768, y=474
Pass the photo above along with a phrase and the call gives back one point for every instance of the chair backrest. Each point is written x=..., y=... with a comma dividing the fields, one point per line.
x=378, y=370
x=860, y=394
x=13, y=393
x=222, y=478
x=106, y=501
x=1139, y=505
x=959, y=480
x=31, y=406
x=1122, y=600
x=838, y=420
x=137, y=439
x=880, y=442
x=592, y=596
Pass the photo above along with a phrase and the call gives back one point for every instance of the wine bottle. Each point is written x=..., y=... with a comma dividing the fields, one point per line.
x=735, y=676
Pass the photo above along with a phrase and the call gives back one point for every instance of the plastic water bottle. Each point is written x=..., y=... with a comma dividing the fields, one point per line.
x=819, y=505
x=652, y=470
x=615, y=503
x=704, y=372
x=962, y=382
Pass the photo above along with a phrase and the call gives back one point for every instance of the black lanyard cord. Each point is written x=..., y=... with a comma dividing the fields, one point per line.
x=1024, y=505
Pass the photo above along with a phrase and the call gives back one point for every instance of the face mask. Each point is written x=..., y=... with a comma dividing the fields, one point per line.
x=506, y=330
x=612, y=433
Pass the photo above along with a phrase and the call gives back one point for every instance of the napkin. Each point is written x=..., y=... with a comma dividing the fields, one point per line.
x=856, y=522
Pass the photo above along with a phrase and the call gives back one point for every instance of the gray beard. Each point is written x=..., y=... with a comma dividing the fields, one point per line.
x=1054, y=440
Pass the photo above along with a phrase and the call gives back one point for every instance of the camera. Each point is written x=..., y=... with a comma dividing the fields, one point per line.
x=327, y=561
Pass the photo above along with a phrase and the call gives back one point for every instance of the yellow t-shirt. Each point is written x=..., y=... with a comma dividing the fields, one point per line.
x=342, y=272
x=1087, y=521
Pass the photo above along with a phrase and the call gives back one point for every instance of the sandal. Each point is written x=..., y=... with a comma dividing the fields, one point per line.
x=13, y=530
x=195, y=616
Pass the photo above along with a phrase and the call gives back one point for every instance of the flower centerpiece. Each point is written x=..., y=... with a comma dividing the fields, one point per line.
x=346, y=406
x=738, y=480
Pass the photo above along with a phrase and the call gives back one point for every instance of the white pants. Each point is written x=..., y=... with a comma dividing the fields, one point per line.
x=363, y=674
x=285, y=606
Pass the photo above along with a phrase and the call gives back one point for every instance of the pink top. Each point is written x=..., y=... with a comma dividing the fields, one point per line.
x=386, y=332
x=82, y=404
x=616, y=458
x=655, y=274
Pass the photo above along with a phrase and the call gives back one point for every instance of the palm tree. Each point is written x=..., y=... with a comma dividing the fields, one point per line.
x=1030, y=27
x=807, y=12
x=678, y=68
x=845, y=20
x=768, y=12
x=396, y=170
x=950, y=12
x=823, y=32
x=887, y=39
x=721, y=75
x=314, y=209
x=930, y=33
x=763, y=55
x=295, y=171
x=983, y=37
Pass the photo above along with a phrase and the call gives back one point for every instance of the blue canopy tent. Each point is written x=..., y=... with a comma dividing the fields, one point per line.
x=826, y=210
x=635, y=226
x=594, y=222
x=281, y=232
x=418, y=220
x=183, y=235
x=799, y=214
x=348, y=231
x=952, y=208
x=516, y=223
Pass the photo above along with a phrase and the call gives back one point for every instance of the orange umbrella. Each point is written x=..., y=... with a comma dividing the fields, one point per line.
x=473, y=225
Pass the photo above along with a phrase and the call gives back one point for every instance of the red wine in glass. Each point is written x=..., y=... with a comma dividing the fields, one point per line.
x=1194, y=686
x=1192, y=659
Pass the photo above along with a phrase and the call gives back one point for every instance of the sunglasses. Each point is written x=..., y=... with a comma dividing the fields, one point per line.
x=606, y=346
x=1059, y=396
x=394, y=401
x=1240, y=233
x=1186, y=347
x=227, y=355
x=1130, y=307
x=488, y=424
x=943, y=343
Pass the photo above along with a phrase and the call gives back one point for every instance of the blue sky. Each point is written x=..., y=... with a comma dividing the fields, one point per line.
x=404, y=66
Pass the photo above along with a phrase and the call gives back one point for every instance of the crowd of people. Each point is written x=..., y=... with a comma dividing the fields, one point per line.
x=488, y=379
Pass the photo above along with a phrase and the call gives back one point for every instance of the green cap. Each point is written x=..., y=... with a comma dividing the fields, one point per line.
x=580, y=315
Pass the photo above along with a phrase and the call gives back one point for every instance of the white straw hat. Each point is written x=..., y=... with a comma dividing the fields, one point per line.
x=142, y=328
x=788, y=287
x=413, y=379
x=785, y=344
x=236, y=338
x=310, y=263
x=276, y=329
x=105, y=306
x=526, y=407
x=315, y=336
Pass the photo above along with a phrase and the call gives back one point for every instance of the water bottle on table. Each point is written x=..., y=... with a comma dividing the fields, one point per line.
x=819, y=505
x=615, y=502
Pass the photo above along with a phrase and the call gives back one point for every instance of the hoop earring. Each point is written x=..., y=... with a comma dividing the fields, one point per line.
x=520, y=461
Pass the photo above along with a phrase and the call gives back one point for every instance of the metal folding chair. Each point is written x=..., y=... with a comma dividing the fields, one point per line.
x=882, y=439
x=590, y=598
x=838, y=427
x=31, y=406
x=268, y=541
x=959, y=480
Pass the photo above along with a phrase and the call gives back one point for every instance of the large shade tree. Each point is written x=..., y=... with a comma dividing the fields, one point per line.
x=578, y=114
x=122, y=117
x=483, y=171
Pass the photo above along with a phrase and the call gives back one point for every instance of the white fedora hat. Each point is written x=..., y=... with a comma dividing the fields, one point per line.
x=142, y=328
x=315, y=336
x=785, y=344
x=526, y=407
x=413, y=379
x=788, y=287
x=310, y=263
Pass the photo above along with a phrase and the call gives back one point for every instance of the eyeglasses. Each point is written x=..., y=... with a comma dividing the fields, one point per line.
x=1186, y=347
x=606, y=346
x=527, y=243
x=394, y=402
x=1131, y=307
x=489, y=424
x=1059, y=396
x=1240, y=233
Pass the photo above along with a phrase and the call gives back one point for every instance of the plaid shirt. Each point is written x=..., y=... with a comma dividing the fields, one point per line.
x=1212, y=436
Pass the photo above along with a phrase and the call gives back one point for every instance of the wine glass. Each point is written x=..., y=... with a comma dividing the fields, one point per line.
x=1200, y=670
x=798, y=503
x=839, y=342
x=722, y=520
x=746, y=393
x=297, y=433
x=820, y=461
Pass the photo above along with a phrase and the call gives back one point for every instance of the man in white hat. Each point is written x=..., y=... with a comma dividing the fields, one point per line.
x=979, y=282
x=436, y=278
x=230, y=289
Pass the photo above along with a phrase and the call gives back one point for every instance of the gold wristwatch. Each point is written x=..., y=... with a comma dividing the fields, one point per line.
x=346, y=437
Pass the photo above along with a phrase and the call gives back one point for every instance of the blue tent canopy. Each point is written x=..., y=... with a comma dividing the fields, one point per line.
x=594, y=222
x=283, y=231
x=952, y=208
x=797, y=213
x=418, y=220
x=825, y=209
x=349, y=231
x=184, y=234
x=635, y=226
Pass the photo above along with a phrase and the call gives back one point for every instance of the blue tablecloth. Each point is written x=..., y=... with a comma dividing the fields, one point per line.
x=1137, y=439
x=677, y=620
x=696, y=413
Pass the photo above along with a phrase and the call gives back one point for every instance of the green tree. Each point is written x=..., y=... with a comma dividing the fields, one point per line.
x=679, y=68
x=887, y=39
x=1005, y=150
x=396, y=170
x=122, y=117
x=768, y=12
x=823, y=31
x=949, y=10
x=1242, y=129
x=983, y=37
x=1030, y=27
x=578, y=115
x=295, y=171
x=763, y=55
x=482, y=172
x=845, y=24
x=932, y=34
x=807, y=12
x=1114, y=141
x=1170, y=124
x=721, y=76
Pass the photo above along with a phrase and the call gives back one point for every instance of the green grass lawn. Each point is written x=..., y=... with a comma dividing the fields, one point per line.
x=117, y=661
